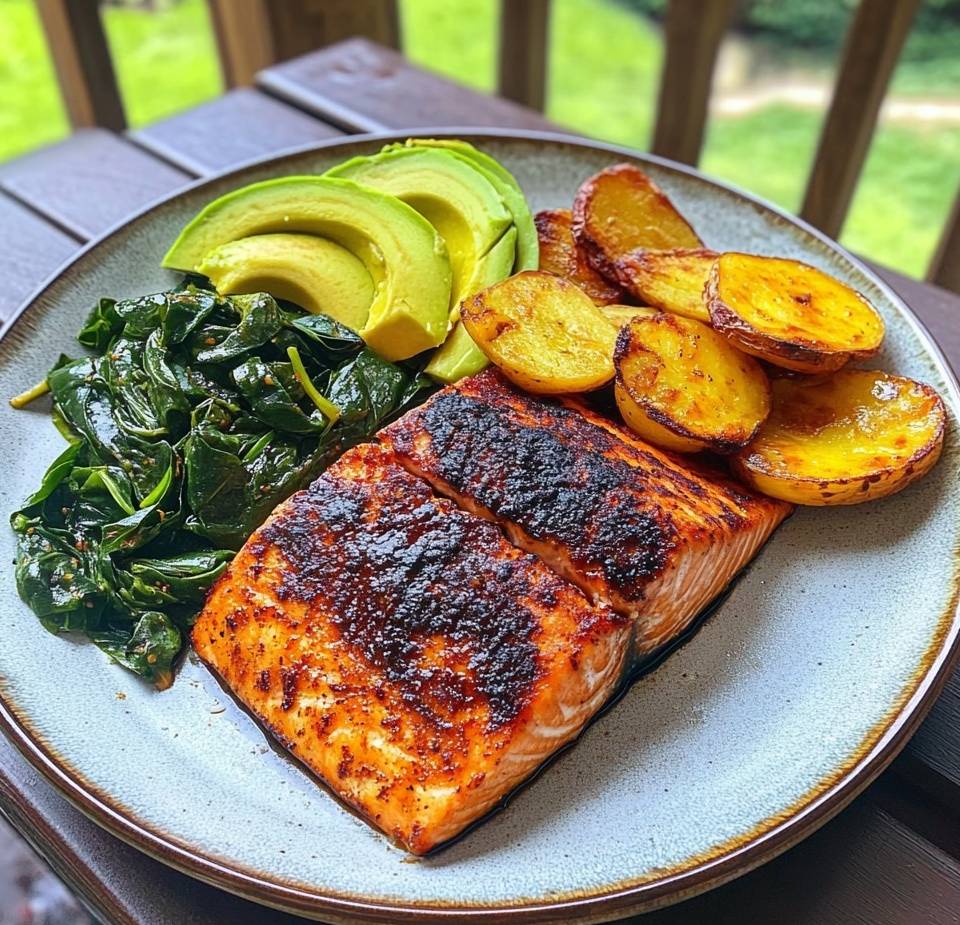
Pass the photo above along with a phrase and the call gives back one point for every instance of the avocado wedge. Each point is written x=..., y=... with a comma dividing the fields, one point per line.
x=316, y=274
x=528, y=248
x=403, y=254
x=458, y=355
x=458, y=200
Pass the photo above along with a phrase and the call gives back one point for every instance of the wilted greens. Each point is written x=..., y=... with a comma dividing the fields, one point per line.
x=196, y=416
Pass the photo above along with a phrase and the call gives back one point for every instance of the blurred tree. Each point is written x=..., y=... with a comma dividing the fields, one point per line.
x=821, y=24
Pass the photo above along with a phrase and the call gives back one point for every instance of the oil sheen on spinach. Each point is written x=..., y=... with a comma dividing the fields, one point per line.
x=192, y=419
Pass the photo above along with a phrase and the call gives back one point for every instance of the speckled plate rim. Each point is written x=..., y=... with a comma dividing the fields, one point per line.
x=769, y=838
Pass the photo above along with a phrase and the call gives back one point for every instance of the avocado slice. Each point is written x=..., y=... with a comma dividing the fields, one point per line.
x=403, y=254
x=528, y=247
x=454, y=197
x=458, y=355
x=316, y=274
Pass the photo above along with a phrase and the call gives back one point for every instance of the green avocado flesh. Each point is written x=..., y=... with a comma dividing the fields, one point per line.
x=400, y=250
x=454, y=197
x=528, y=246
x=458, y=355
x=316, y=274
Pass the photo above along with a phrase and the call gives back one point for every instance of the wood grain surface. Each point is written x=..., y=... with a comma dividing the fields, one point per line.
x=362, y=87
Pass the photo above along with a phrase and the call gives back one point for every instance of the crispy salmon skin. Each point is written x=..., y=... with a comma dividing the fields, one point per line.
x=421, y=665
x=632, y=526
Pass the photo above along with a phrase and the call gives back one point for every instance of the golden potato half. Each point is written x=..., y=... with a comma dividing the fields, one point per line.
x=789, y=313
x=860, y=435
x=621, y=209
x=544, y=332
x=559, y=254
x=684, y=387
x=672, y=281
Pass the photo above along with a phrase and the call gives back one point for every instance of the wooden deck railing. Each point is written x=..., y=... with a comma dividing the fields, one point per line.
x=252, y=34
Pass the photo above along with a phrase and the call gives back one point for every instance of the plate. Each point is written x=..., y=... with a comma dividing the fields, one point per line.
x=788, y=701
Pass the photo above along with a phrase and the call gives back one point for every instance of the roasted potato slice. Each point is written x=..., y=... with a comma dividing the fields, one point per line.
x=544, y=332
x=619, y=315
x=559, y=254
x=672, y=281
x=860, y=435
x=621, y=209
x=686, y=388
x=790, y=314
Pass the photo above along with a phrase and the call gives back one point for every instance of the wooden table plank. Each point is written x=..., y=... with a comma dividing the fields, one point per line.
x=88, y=182
x=32, y=249
x=863, y=867
x=363, y=87
x=239, y=126
x=936, y=744
x=937, y=308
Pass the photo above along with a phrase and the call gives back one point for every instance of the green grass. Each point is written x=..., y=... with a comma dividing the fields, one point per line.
x=31, y=114
x=165, y=61
x=605, y=65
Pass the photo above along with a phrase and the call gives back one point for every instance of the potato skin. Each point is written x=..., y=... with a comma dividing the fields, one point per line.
x=690, y=382
x=643, y=425
x=801, y=298
x=858, y=436
x=544, y=333
x=559, y=254
x=621, y=209
x=672, y=281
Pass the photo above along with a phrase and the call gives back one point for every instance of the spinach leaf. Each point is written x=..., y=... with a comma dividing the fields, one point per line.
x=185, y=312
x=231, y=488
x=140, y=316
x=260, y=319
x=59, y=469
x=331, y=340
x=52, y=578
x=187, y=577
x=273, y=392
x=87, y=402
x=149, y=649
x=163, y=386
x=101, y=326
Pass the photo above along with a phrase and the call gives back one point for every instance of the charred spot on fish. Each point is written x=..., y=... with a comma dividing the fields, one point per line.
x=556, y=490
x=289, y=677
x=395, y=571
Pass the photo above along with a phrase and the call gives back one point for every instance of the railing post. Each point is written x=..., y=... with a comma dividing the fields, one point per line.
x=81, y=58
x=523, y=51
x=243, y=39
x=945, y=267
x=870, y=53
x=252, y=34
x=692, y=33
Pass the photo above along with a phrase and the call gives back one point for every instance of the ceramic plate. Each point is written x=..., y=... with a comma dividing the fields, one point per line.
x=785, y=704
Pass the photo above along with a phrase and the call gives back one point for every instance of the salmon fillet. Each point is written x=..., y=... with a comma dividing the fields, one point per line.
x=404, y=651
x=634, y=527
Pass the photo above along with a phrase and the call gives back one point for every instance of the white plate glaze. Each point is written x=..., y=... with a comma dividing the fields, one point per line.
x=784, y=705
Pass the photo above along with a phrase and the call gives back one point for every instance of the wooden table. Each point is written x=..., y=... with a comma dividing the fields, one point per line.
x=892, y=857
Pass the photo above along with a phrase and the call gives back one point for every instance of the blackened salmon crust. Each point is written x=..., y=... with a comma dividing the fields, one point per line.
x=419, y=569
